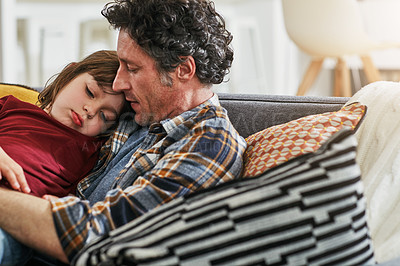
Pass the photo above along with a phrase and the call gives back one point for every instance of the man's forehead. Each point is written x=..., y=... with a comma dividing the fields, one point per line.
x=130, y=52
x=126, y=45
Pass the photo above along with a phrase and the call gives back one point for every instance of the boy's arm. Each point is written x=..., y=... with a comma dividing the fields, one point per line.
x=29, y=219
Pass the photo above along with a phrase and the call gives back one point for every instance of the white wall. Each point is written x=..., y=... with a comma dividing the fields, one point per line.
x=48, y=38
x=266, y=61
x=8, y=38
x=41, y=37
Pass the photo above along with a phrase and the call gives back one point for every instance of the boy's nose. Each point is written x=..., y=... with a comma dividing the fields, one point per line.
x=89, y=110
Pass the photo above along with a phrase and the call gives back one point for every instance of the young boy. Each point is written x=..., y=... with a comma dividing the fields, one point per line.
x=49, y=149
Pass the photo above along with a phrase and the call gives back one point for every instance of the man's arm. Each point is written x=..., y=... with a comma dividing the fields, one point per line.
x=29, y=220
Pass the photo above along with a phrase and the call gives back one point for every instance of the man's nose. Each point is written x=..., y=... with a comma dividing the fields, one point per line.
x=120, y=83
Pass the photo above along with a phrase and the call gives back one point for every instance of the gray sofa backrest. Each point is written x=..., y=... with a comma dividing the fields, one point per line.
x=250, y=113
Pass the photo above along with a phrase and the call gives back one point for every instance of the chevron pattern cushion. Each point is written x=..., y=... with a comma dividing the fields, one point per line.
x=307, y=211
x=277, y=144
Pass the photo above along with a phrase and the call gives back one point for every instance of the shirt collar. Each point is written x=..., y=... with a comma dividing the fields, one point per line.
x=170, y=124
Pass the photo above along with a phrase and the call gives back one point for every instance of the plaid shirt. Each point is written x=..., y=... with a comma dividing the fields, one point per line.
x=195, y=150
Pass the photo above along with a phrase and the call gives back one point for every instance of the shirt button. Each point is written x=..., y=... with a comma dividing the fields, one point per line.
x=157, y=129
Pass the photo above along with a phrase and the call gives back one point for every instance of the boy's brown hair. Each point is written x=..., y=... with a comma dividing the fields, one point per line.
x=102, y=65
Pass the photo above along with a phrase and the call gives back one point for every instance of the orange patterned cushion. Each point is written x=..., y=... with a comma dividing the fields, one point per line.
x=277, y=144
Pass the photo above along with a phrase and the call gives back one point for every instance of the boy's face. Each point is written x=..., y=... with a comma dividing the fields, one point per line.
x=84, y=106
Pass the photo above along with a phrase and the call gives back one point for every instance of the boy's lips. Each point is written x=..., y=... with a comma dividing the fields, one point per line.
x=77, y=119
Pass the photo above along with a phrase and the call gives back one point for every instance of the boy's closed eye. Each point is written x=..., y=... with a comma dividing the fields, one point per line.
x=89, y=93
x=108, y=117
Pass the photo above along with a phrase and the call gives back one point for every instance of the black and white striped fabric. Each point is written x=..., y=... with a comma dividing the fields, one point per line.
x=307, y=211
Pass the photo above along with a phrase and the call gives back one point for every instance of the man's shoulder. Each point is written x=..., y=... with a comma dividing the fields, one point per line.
x=211, y=110
x=211, y=115
x=207, y=118
x=214, y=120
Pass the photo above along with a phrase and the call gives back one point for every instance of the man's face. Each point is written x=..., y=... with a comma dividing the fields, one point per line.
x=140, y=81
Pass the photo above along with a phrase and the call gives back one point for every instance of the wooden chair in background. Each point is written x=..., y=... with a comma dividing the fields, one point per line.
x=331, y=29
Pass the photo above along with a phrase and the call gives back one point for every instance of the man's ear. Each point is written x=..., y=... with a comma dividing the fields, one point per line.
x=187, y=69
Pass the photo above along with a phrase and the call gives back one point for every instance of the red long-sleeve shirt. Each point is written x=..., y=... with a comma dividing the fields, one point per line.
x=54, y=157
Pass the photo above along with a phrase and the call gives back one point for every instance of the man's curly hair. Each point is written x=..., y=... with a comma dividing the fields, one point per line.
x=171, y=30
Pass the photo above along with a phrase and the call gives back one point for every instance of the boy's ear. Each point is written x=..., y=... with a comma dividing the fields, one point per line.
x=187, y=69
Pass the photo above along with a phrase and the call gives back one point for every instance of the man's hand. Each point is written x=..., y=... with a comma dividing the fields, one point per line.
x=13, y=173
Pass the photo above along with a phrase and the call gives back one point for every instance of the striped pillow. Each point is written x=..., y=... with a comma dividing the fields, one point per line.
x=307, y=211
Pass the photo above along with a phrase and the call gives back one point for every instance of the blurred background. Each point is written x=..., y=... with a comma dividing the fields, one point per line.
x=39, y=37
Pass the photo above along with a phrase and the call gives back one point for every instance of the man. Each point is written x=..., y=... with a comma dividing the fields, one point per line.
x=170, y=52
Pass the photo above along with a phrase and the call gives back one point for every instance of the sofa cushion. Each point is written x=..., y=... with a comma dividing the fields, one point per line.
x=250, y=113
x=24, y=93
x=309, y=210
x=275, y=145
x=378, y=156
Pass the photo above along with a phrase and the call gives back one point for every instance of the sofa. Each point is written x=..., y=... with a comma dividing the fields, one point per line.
x=250, y=113
x=208, y=228
x=328, y=234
